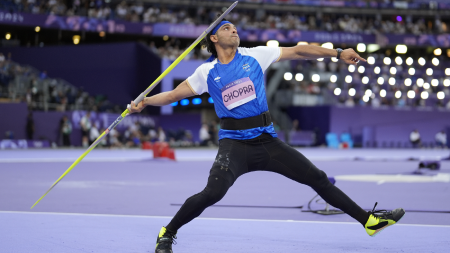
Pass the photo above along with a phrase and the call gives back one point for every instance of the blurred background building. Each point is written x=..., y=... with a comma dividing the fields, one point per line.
x=66, y=58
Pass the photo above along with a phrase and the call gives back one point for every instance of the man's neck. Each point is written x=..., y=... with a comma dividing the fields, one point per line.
x=225, y=56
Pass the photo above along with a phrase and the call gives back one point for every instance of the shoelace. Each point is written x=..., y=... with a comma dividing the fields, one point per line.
x=378, y=213
x=171, y=238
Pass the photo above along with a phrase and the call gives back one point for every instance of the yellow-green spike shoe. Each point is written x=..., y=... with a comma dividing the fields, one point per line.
x=381, y=219
x=164, y=241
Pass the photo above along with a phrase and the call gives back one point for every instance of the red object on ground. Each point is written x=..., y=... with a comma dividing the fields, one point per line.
x=162, y=149
x=147, y=145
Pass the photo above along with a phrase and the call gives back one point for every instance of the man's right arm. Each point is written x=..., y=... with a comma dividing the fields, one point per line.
x=164, y=98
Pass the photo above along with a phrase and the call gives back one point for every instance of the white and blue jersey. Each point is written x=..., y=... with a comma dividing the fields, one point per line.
x=237, y=88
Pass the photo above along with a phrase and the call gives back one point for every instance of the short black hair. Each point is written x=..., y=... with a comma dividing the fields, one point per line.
x=206, y=42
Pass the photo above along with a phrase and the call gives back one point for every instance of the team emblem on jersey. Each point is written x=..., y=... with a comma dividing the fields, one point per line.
x=246, y=67
x=217, y=79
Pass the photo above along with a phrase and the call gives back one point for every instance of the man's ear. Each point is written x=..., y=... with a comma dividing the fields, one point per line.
x=213, y=38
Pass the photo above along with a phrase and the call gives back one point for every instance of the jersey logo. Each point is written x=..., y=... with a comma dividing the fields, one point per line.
x=217, y=79
x=246, y=67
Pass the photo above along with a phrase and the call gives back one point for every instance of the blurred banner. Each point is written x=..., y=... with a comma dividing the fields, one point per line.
x=23, y=144
x=76, y=23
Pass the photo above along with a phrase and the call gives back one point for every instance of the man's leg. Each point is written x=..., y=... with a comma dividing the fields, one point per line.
x=229, y=164
x=287, y=161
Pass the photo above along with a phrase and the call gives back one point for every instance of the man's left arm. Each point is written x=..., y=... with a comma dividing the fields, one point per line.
x=310, y=52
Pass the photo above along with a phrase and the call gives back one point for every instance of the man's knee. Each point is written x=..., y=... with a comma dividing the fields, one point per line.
x=216, y=188
x=320, y=180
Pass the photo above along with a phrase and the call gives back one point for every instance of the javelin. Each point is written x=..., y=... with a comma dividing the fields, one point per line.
x=139, y=98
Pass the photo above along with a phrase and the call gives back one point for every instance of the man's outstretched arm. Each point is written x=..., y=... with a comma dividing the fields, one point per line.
x=310, y=52
x=164, y=98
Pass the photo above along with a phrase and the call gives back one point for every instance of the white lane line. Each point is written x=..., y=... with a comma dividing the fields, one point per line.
x=219, y=219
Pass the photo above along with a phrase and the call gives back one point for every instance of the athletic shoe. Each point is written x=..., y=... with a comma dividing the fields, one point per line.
x=381, y=219
x=164, y=241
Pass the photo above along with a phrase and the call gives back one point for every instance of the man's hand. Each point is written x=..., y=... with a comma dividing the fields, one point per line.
x=349, y=56
x=133, y=108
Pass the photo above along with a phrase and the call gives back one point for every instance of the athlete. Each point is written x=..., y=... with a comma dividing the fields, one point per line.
x=234, y=77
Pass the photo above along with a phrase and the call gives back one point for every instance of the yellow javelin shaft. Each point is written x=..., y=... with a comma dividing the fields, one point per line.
x=138, y=99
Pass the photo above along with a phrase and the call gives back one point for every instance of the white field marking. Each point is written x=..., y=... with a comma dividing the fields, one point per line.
x=58, y=160
x=218, y=219
x=398, y=178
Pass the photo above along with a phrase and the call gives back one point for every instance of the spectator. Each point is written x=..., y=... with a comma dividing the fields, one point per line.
x=66, y=131
x=414, y=138
x=86, y=125
x=441, y=139
x=30, y=126
x=161, y=135
x=93, y=133
x=205, y=137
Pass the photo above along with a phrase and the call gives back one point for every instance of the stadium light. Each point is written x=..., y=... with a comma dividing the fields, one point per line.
x=368, y=93
x=408, y=82
x=398, y=94
x=361, y=69
x=320, y=59
x=273, y=43
x=380, y=80
x=435, y=61
x=196, y=101
x=371, y=60
x=365, y=99
x=334, y=59
x=398, y=60
x=37, y=29
x=447, y=71
x=401, y=49
x=372, y=48
x=424, y=95
x=76, y=39
x=434, y=82
x=426, y=86
x=383, y=93
x=351, y=68
x=365, y=80
x=409, y=61
x=328, y=45
x=437, y=51
x=8, y=36
x=391, y=81
x=377, y=70
x=440, y=95
x=352, y=92
x=429, y=71
x=411, y=71
x=288, y=76
x=184, y=102
x=446, y=82
x=387, y=61
x=348, y=79
x=337, y=91
x=361, y=47
x=420, y=82
x=393, y=70
x=333, y=78
x=315, y=78
x=421, y=61
x=411, y=94
x=299, y=77
x=302, y=43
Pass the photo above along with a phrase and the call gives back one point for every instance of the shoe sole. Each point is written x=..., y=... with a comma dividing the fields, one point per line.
x=381, y=229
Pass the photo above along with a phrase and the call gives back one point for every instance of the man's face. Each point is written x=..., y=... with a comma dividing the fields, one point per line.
x=226, y=36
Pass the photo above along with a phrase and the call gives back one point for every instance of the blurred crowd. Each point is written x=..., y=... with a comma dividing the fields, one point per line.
x=41, y=92
x=137, y=11
x=374, y=84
